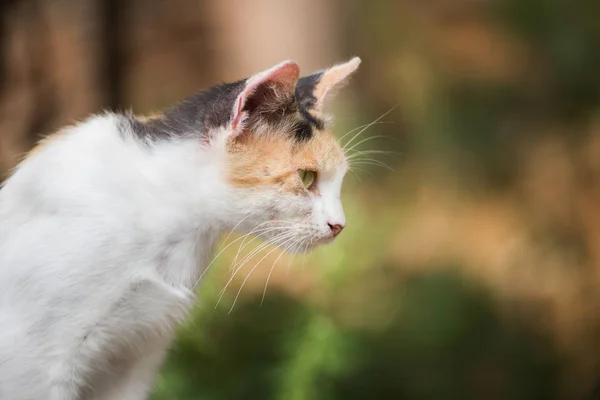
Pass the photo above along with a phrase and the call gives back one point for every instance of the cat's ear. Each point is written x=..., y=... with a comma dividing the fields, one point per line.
x=313, y=90
x=265, y=91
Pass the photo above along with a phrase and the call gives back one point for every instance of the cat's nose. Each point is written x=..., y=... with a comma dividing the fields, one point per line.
x=335, y=229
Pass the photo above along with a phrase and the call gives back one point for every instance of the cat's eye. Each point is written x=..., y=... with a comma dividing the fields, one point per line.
x=308, y=177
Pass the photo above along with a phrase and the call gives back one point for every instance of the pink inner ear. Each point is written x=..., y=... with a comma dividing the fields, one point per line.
x=285, y=75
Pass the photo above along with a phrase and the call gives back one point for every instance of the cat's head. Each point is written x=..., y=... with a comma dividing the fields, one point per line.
x=281, y=159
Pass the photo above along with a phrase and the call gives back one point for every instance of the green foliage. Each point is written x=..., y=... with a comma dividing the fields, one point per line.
x=480, y=127
x=448, y=342
x=232, y=356
x=445, y=341
x=565, y=34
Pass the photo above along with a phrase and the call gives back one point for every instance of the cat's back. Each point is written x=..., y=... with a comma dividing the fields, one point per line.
x=54, y=204
x=64, y=236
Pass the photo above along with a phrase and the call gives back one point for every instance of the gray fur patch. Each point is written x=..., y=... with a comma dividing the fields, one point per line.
x=202, y=112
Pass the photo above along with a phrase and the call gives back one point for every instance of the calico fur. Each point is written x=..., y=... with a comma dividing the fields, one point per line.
x=106, y=228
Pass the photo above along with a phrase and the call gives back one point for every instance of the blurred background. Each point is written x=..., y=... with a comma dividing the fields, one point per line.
x=469, y=269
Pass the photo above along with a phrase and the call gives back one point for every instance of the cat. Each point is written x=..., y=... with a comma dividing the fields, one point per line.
x=107, y=225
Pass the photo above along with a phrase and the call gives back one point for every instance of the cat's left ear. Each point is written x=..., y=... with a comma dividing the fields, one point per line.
x=312, y=91
x=263, y=93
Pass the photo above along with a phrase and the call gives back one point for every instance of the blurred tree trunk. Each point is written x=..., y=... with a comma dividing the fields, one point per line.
x=60, y=60
x=4, y=9
x=43, y=94
x=112, y=38
x=28, y=99
x=254, y=35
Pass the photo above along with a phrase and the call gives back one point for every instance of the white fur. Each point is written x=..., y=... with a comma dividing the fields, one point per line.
x=102, y=241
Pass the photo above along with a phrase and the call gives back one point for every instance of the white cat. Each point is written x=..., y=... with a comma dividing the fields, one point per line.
x=106, y=227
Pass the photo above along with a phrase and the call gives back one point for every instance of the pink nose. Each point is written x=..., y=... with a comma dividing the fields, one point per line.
x=335, y=229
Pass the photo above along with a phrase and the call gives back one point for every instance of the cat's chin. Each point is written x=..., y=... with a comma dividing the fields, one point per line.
x=324, y=241
x=304, y=248
x=313, y=245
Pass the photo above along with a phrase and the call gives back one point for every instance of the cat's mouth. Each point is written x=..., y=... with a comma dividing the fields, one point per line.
x=322, y=241
x=301, y=243
x=325, y=240
x=305, y=247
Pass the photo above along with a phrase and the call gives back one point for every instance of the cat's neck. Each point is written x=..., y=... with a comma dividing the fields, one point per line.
x=99, y=172
x=180, y=188
x=185, y=217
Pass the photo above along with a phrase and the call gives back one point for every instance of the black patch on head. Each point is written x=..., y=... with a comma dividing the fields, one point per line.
x=306, y=99
x=303, y=130
x=305, y=90
x=317, y=123
x=194, y=116
x=212, y=108
x=273, y=112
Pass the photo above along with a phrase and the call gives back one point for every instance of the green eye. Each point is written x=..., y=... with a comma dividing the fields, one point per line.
x=307, y=177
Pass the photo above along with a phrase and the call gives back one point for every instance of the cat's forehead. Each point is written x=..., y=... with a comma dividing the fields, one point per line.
x=324, y=149
x=289, y=120
x=257, y=160
x=320, y=150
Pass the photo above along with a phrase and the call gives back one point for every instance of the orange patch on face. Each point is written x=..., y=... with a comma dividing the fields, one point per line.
x=274, y=160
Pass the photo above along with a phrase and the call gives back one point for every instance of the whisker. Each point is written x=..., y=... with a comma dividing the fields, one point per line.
x=260, y=248
x=218, y=254
x=304, y=255
x=364, y=129
x=221, y=252
x=373, y=162
x=233, y=275
x=367, y=127
x=354, y=167
x=269, y=275
x=243, y=246
x=245, y=237
x=255, y=250
x=364, y=141
x=291, y=261
x=359, y=153
x=360, y=127
x=249, y=256
x=354, y=174
x=248, y=276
